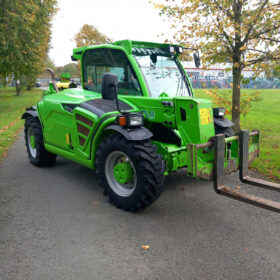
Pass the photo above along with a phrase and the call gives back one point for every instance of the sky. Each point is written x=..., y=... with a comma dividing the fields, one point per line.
x=117, y=19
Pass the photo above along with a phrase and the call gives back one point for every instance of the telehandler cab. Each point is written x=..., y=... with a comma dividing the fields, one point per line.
x=136, y=120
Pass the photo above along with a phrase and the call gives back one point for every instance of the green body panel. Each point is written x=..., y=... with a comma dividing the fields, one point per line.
x=153, y=110
x=60, y=127
x=194, y=129
x=75, y=133
x=191, y=130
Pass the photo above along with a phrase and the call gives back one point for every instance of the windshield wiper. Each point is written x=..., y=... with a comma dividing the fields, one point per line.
x=183, y=75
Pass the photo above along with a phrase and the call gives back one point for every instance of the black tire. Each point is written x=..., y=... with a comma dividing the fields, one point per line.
x=148, y=166
x=38, y=156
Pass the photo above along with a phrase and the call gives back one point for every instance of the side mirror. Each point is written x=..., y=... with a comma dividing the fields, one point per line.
x=109, y=86
x=196, y=59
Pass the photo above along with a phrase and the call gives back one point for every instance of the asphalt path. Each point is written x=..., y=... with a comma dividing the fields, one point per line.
x=55, y=223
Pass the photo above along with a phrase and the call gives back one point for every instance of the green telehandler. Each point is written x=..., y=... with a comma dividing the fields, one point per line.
x=136, y=120
x=65, y=82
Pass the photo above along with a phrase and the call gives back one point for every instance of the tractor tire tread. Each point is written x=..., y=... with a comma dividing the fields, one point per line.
x=149, y=162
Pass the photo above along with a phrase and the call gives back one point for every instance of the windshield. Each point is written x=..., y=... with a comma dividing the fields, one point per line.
x=162, y=75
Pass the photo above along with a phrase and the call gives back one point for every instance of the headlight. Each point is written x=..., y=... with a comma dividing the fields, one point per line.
x=219, y=112
x=130, y=120
x=135, y=120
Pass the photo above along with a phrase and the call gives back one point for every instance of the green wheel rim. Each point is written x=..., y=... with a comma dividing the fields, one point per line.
x=31, y=142
x=123, y=172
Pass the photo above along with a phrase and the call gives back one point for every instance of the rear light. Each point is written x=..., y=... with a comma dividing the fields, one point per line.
x=130, y=120
x=219, y=112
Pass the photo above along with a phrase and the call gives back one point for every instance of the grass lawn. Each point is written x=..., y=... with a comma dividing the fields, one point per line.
x=11, y=109
x=264, y=116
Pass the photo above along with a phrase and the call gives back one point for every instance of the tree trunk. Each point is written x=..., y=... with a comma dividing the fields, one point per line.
x=29, y=86
x=236, y=73
x=18, y=88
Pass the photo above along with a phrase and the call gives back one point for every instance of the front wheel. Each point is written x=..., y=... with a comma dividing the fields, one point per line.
x=130, y=172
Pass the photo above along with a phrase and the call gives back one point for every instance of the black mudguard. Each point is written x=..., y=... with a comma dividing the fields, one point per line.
x=223, y=122
x=223, y=126
x=132, y=134
x=31, y=111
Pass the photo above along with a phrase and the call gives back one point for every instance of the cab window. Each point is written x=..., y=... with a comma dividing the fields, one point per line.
x=96, y=62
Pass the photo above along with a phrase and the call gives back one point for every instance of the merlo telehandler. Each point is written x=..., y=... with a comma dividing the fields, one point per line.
x=136, y=120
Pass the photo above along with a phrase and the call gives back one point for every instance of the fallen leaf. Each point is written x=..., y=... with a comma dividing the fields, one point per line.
x=238, y=187
x=95, y=202
x=246, y=249
x=145, y=247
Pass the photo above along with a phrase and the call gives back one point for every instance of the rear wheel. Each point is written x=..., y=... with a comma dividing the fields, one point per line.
x=130, y=172
x=35, y=144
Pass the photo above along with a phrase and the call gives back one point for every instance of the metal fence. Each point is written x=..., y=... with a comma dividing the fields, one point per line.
x=258, y=83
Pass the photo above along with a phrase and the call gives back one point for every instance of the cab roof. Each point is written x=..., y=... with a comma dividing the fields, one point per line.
x=129, y=45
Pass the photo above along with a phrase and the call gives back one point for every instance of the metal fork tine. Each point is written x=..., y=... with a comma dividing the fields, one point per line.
x=261, y=183
x=219, y=149
x=251, y=199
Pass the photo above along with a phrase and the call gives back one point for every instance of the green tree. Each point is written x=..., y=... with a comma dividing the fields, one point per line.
x=7, y=36
x=24, y=38
x=244, y=32
x=73, y=69
x=58, y=71
x=276, y=69
x=50, y=63
x=41, y=32
x=90, y=35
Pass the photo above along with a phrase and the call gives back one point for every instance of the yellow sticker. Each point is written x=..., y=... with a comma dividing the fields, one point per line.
x=205, y=116
x=67, y=138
